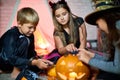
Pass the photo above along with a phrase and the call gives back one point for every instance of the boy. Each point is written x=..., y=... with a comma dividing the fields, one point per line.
x=17, y=44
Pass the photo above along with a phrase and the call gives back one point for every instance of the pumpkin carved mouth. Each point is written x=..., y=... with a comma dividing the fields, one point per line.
x=71, y=68
x=82, y=75
x=62, y=76
x=72, y=76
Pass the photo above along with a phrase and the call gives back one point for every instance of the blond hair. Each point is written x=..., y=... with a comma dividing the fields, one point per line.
x=27, y=15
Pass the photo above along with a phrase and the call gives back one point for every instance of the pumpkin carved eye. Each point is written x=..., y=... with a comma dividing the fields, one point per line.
x=62, y=63
x=70, y=68
x=79, y=64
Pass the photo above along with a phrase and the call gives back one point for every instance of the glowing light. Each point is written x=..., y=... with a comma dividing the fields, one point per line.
x=63, y=63
x=73, y=75
x=41, y=44
x=62, y=76
x=81, y=76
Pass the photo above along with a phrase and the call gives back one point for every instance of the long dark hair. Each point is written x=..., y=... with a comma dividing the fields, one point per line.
x=113, y=37
x=111, y=23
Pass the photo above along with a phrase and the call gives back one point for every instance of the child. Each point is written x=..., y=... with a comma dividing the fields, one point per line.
x=108, y=21
x=70, y=30
x=17, y=44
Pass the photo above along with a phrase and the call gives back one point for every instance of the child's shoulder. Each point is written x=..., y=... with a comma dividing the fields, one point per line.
x=77, y=17
x=79, y=20
x=11, y=32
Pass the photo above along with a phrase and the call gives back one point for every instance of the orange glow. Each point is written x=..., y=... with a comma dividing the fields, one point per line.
x=73, y=75
x=23, y=78
x=41, y=44
x=62, y=76
x=52, y=72
x=81, y=76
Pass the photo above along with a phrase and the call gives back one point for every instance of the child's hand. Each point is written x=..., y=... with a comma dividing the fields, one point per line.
x=85, y=55
x=85, y=51
x=71, y=48
x=42, y=63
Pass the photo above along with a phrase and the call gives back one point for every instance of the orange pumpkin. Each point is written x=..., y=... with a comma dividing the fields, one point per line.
x=51, y=72
x=69, y=67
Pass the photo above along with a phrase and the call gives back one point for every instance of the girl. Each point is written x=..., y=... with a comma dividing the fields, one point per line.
x=70, y=30
x=108, y=21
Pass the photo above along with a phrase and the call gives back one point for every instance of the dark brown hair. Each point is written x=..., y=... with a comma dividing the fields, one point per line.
x=113, y=37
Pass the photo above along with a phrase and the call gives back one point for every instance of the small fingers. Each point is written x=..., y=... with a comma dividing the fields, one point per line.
x=71, y=48
x=49, y=63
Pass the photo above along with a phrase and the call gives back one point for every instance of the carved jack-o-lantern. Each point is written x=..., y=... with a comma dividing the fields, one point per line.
x=69, y=67
x=51, y=73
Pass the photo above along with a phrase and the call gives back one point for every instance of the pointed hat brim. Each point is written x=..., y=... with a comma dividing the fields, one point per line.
x=92, y=17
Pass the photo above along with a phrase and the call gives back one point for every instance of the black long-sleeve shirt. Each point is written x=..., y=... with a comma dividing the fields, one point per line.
x=16, y=49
